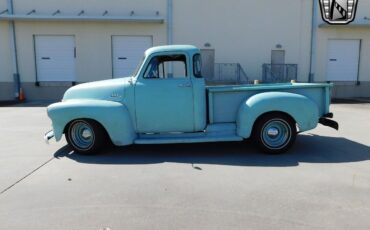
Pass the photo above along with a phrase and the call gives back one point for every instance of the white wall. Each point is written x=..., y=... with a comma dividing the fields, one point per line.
x=325, y=34
x=240, y=31
x=245, y=31
x=5, y=58
x=93, y=44
x=93, y=39
x=5, y=55
x=92, y=7
x=359, y=29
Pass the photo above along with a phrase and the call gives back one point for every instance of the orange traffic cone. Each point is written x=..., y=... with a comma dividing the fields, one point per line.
x=21, y=95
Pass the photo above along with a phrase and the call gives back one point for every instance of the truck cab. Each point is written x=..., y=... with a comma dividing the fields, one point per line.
x=169, y=84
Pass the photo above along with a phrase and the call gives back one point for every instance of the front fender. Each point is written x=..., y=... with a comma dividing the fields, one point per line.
x=113, y=116
x=302, y=109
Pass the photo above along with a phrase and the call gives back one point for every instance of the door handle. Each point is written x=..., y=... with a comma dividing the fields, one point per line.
x=45, y=58
x=185, y=85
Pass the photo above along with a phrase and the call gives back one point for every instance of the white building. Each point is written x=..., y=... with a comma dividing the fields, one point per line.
x=61, y=43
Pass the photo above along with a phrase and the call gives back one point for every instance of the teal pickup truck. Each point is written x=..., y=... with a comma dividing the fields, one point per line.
x=166, y=101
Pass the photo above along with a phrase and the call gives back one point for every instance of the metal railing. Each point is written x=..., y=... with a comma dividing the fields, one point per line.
x=275, y=73
x=228, y=73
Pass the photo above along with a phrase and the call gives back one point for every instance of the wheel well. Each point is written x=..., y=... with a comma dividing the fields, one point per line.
x=275, y=113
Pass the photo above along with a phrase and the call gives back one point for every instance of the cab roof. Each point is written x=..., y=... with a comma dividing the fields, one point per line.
x=172, y=48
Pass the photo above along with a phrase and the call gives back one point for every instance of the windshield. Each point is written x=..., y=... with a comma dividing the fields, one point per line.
x=138, y=67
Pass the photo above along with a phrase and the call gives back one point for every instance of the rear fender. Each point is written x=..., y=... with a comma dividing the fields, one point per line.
x=113, y=116
x=303, y=110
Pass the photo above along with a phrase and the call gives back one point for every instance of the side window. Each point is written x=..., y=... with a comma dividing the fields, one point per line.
x=166, y=66
x=197, y=66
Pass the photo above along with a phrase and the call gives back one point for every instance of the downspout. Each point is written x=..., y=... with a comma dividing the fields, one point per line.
x=169, y=22
x=311, y=76
x=170, y=32
x=13, y=47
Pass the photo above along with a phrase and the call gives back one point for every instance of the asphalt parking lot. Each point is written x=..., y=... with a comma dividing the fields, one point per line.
x=322, y=183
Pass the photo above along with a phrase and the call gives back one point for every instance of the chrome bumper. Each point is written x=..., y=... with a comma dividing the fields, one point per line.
x=48, y=136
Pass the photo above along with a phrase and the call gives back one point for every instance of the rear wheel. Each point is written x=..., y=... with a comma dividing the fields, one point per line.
x=86, y=136
x=275, y=133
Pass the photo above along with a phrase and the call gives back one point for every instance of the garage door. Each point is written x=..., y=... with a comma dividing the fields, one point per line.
x=55, y=58
x=343, y=59
x=128, y=51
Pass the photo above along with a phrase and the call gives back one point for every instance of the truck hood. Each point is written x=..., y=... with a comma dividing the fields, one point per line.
x=110, y=90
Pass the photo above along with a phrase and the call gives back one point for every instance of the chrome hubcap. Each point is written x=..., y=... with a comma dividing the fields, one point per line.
x=272, y=132
x=86, y=133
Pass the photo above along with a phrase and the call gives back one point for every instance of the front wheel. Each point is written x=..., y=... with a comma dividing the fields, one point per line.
x=85, y=136
x=274, y=133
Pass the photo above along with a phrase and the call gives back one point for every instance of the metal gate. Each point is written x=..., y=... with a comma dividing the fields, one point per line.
x=228, y=73
x=275, y=73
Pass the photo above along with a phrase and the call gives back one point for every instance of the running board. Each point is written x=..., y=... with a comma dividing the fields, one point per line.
x=213, y=133
x=179, y=140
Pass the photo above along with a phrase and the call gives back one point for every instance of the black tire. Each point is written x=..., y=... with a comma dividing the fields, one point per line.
x=274, y=133
x=86, y=136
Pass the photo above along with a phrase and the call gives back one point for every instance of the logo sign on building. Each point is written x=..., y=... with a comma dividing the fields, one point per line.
x=338, y=12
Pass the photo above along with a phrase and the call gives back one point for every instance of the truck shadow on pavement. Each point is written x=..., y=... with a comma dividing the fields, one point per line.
x=308, y=148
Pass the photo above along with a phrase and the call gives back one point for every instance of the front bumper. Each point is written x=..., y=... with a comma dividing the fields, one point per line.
x=48, y=136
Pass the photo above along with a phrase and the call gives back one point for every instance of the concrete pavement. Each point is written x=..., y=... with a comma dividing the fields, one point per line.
x=323, y=182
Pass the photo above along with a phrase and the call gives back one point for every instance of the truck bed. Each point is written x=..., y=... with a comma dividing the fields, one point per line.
x=224, y=101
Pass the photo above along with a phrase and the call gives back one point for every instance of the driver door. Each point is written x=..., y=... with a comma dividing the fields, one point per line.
x=164, y=101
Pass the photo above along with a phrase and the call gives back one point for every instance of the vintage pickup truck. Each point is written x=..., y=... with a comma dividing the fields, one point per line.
x=166, y=101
